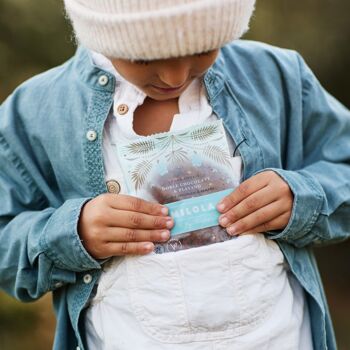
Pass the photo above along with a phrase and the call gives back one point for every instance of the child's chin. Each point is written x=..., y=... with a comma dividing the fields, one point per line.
x=163, y=97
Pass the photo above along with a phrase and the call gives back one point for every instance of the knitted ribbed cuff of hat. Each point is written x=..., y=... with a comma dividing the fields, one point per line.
x=157, y=29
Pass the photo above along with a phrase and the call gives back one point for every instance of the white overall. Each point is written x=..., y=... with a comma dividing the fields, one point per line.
x=231, y=295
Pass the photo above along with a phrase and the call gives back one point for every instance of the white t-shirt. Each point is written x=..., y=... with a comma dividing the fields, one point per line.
x=198, y=300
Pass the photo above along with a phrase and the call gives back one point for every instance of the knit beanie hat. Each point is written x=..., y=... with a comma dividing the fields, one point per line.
x=157, y=29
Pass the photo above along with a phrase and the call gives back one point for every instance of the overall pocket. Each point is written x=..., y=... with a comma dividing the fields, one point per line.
x=209, y=293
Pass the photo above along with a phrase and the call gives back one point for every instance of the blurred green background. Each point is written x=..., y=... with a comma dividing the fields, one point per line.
x=34, y=37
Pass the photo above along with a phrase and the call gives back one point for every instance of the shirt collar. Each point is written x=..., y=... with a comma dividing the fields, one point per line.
x=189, y=101
x=90, y=74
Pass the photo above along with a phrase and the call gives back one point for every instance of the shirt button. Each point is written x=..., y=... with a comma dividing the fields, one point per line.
x=91, y=135
x=87, y=278
x=123, y=109
x=103, y=80
x=58, y=284
x=113, y=186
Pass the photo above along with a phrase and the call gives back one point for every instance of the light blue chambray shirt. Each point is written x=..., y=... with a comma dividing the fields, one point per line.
x=51, y=163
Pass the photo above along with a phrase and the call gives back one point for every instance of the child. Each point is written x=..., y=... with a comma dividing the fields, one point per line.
x=145, y=67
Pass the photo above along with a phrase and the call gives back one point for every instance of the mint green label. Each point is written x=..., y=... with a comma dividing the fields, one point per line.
x=196, y=213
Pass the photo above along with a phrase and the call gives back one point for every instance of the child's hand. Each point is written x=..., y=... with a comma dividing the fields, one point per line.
x=112, y=225
x=261, y=203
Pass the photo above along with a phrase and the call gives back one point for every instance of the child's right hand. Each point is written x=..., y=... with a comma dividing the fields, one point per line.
x=112, y=225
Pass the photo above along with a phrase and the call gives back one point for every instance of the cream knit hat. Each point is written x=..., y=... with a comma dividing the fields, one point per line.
x=157, y=29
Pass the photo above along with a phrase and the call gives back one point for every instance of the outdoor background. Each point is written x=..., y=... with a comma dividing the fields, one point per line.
x=35, y=37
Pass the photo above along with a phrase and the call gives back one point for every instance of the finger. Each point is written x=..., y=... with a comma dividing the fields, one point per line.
x=276, y=224
x=259, y=217
x=244, y=190
x=130, y=203
x=119, y=234
x=132, y=219
x=127, y=248
x=249, y=205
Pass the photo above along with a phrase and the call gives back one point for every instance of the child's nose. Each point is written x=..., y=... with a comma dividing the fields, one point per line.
x=175, y=75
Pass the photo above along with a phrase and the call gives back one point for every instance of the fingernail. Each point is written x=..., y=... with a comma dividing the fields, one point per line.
x=221, y=206
x=165, y=235
x=232, y=230
x=169, y=223
x=148, y=246
x=224, y=221
x=164, y=210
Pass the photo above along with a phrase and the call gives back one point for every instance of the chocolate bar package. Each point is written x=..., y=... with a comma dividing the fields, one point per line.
x=189, y=171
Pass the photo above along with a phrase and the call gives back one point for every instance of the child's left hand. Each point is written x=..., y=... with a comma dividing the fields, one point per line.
x=262, y=203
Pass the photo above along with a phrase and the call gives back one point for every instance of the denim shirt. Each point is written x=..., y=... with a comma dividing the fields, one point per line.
x=51, y=163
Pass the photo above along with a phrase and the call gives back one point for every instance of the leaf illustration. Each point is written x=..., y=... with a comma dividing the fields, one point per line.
x=141, y=147
x=204, y=132
x=178, y=155
x=139, y=174
x=163, y=143
x=183, y=137
x=218, y=155
x=162, y=137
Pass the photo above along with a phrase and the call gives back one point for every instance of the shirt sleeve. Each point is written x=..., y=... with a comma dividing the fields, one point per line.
x=321, y=188
x=40, y=249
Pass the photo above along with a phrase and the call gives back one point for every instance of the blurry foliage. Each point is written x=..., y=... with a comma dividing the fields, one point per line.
x=34, y=37
x=10, y=320
x=25, y=326
x=318, y=29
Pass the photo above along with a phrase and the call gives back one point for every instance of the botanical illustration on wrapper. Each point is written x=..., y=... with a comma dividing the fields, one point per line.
x=189, y=171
